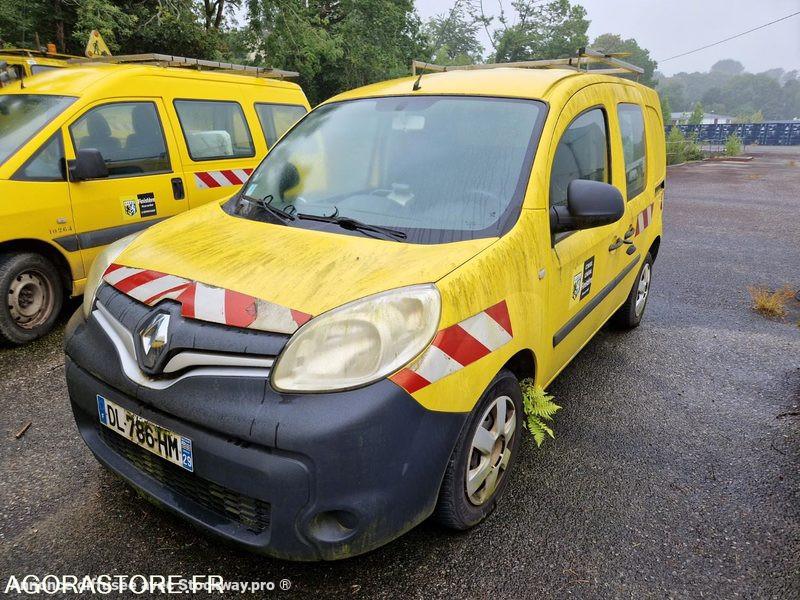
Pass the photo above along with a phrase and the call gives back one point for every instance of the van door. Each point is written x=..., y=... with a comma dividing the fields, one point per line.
x=584, y=265
x=219, y=150
x=138, y=147
x=640, y=191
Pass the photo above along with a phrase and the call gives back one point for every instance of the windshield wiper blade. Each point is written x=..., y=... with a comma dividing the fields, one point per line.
x=354, y=225
x=263, y=203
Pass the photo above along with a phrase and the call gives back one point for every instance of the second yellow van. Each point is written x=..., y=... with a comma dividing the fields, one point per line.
x=93, y=153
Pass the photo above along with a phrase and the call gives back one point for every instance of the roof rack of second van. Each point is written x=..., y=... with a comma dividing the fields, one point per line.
x=609, y=62
x=167, y=60
x=29, y=53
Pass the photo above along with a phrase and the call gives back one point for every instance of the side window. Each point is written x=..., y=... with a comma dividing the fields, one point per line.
x=277, y=118
x=582, y=153
x=127, y=134
x=46, y=164
x=42, y=68
x=631, y=126
x=214, y=129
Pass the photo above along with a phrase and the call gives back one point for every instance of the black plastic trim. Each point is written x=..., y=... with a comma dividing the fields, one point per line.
x=70, y=243
x=102, y=237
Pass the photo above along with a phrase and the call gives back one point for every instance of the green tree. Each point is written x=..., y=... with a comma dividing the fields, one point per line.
x=335, y=44
x=727, y=67
x=109, y=19
x=611, y=42
x=666, y=111
x=453, y=36
x=553, y=29
x=697, y=114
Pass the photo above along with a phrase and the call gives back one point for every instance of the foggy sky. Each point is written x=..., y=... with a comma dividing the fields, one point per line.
x=669, y=27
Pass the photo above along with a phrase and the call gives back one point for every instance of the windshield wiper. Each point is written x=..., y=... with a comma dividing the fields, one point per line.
x=265, y=204
x=353, y=225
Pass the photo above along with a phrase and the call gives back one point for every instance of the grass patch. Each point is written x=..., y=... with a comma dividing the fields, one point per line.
x=539, y=410
x=770, y=304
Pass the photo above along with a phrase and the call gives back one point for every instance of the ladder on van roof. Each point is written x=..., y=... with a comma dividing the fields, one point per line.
x=167, y=60
x=610, y=64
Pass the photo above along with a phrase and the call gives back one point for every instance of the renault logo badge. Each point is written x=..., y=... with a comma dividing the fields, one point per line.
x=154, y=335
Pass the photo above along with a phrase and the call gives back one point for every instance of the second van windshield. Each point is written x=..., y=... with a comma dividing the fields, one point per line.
x=438, y=168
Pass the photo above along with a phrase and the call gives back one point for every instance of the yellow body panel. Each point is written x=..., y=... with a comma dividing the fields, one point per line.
x=71, y=222
x=313, y=271
x=306, y=270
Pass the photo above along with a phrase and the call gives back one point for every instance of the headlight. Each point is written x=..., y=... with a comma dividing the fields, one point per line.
x=360, y=342
x=99, y=266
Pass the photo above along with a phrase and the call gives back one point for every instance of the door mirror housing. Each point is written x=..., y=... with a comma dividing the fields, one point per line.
x=88, y=164
x=589, y=204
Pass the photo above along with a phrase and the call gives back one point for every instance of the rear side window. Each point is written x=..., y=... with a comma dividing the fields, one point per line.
x=275, y=119
x=42, y=68
x=631, y=126
x=214, y=130
x=582, y=153
x=46, y=164
x=127, y=134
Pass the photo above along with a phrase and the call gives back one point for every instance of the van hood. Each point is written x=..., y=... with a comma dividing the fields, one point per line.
x=304, y=270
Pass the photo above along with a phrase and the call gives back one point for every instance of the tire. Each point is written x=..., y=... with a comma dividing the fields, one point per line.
x=630, y=314
x=457, y=508
x=32, y=294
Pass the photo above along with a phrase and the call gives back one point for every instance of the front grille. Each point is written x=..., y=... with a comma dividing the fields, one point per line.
x=252, y=513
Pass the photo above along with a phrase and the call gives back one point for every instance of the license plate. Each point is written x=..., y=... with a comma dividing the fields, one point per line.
x=162, y=442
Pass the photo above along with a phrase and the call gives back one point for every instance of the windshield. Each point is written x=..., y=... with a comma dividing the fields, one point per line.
x=437, y=168
x=23, y=115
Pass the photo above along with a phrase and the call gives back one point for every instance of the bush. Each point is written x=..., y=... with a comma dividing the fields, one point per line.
x=681, y=148
x=733, y=145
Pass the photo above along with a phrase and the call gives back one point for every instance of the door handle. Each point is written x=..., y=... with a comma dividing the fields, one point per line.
x=617, y=243
x=629, y=233
x=177, y=188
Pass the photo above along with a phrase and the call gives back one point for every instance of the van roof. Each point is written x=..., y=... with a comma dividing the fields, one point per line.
x=509, y=82
x=73, y=81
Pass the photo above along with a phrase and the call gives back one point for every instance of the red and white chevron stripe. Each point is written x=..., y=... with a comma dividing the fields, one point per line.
x=457, y=346
x=204, y=302
x=215, y=179
x=644, y=219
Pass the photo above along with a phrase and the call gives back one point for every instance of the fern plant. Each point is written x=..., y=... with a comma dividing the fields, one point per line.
x=539, y=410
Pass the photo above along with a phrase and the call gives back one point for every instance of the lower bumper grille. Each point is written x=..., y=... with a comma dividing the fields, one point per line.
x=249, y=512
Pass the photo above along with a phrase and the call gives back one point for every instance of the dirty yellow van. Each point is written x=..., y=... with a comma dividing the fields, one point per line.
x=19, y=63
x=333, y=355
x=93, y=153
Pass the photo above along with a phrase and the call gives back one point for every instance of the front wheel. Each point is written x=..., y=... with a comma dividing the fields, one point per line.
x=32, y=295
x=630, y=314
x=483, y=457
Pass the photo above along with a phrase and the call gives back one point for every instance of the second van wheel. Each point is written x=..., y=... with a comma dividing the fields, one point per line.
x=630, y=314
x=485, y=452
x=31, y=293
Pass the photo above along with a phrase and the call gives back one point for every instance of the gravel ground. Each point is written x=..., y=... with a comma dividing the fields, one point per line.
x=674, y=473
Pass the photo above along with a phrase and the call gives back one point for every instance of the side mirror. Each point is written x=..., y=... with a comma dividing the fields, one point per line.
x=290, y=177
x=88, y=164
x=589, y=204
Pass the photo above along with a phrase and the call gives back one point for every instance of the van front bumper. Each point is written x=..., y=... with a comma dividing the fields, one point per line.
x=296, y=476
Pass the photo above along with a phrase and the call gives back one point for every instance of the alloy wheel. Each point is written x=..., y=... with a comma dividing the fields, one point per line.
x=490, y=451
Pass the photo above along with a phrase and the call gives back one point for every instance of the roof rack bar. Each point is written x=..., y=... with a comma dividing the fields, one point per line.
x=611, y=59
x=585, y=58
x=166, y=60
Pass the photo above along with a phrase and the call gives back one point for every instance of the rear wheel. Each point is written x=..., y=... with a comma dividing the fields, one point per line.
x=630, y=314
x=32, y=295
x=483, y=457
